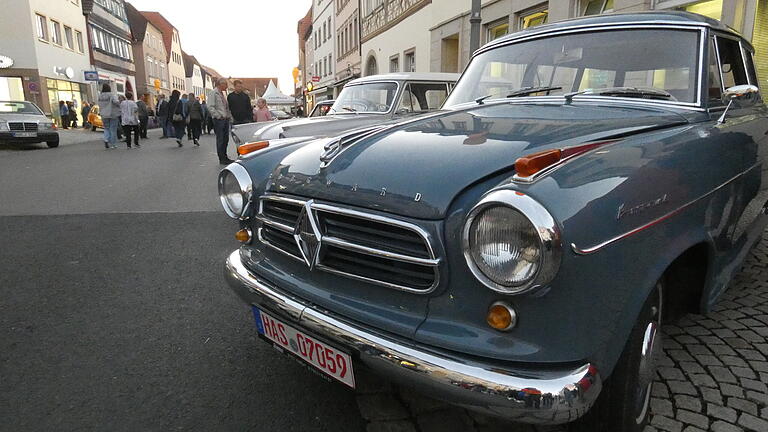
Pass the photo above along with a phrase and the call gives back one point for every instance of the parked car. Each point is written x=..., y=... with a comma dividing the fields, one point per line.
x=364, y=101
x=24, y=122
x=280, y=115
x=517, y=252
x=94, y=118
x=321, y=108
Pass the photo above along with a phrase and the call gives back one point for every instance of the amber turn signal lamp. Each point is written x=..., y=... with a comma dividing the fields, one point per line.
x=252, y=147
x=243, y=236
x=501, y=316
x=529, y=165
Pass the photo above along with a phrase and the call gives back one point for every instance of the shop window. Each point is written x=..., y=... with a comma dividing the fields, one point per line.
x=11, y=89
x=42, y=27
x=709, y=8
x=534, y=19
x=498, y=29
x=597, y=7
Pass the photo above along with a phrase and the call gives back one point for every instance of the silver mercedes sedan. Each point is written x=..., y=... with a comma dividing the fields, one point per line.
x=24, y=122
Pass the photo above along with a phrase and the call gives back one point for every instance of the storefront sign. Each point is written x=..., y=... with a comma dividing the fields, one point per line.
x=5, y=62
x=91, y=75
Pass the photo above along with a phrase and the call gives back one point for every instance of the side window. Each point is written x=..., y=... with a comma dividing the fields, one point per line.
x=714, y=91
x=428, y=96
x=406, y=100
x=731, y=62
x=751, y=74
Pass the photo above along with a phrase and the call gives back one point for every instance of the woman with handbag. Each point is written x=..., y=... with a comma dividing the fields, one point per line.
x=178, y=112
x=195, y=118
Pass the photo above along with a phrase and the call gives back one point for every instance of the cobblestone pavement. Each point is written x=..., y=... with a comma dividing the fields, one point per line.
x=713, y=374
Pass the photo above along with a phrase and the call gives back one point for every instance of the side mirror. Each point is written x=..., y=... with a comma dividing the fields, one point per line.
x=744, y=96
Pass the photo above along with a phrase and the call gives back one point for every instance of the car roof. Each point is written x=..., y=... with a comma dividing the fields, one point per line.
x=409, y=76
x=672, y=18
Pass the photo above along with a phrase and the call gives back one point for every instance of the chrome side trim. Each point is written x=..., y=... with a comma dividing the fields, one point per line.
x=489, y=387
x=596, y=248
x=550, y=240
x=315, y=207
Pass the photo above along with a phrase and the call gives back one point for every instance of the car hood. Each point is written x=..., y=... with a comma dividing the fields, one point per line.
x=8, y=117
x=314, y=126
x=416, y=168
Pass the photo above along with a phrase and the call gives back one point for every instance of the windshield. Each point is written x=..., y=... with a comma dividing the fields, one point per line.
x=368, y=98
x=653, y=59
x=18, y=108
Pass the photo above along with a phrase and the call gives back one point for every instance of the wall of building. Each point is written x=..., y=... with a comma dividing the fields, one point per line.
x=176, y=72
x=760, y=42
x=347, y=27
x=325, y=52
x=149, y=56
x=398, y=40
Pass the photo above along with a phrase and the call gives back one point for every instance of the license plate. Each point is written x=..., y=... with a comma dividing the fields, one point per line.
x=24, y=134
x=327, y=359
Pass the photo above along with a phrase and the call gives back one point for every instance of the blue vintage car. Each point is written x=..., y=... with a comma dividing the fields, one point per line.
x=516, y=252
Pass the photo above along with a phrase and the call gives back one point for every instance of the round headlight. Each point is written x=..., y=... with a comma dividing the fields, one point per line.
x=511, y=243
x=235, y=188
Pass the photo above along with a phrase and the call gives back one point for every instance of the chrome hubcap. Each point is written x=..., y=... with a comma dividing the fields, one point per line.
x=648, y=355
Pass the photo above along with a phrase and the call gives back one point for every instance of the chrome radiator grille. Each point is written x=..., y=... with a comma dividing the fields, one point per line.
x=355, y=244
x=22, y=127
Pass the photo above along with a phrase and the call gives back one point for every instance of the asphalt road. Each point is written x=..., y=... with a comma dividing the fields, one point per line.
x=113, y=310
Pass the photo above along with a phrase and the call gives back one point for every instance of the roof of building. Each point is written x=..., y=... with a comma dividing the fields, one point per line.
x=189, y=63
x=409, y=76
x=304, y=26
x=212, y=72
x=137, y=22
x=255, y=86
x=679, y=18
x=165, y=27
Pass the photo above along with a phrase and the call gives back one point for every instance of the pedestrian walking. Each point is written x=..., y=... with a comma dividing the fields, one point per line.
x=261, y=113
x=162, y=115
x=195, y=118
x=109, y=108
x=240, y=104
x=143, y=115
x=129, y=113
x=222, y=116
x=299, y=112
x=178, y=110
x=185, y=102
x=84, y=111
x=207, y=121
x=64, y=114
x=72, y=114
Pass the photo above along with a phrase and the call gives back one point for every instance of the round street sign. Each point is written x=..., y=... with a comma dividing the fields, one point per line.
x=33, y=86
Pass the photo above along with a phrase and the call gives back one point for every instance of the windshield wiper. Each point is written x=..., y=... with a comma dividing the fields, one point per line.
x=525, y=91
x=643, y=93
x=481, y=99
x=349, y=109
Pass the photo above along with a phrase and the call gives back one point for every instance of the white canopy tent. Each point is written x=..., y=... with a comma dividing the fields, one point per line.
x=276, y=99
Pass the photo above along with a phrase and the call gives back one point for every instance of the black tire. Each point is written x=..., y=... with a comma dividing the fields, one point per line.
x=52, y=144
x=624, y=402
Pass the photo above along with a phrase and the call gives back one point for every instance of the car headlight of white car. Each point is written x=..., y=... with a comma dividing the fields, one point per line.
x=46, y=126
x=511, y=242
x=3, y=125
x=235, y=189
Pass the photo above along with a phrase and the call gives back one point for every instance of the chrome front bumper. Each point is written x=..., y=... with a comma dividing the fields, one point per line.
x=528, y=395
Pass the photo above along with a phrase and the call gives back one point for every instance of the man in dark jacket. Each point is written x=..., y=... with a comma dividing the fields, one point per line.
x=162, y=115
x=143, y=115
x=240, y=105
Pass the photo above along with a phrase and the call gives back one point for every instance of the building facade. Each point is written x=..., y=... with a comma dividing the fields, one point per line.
x=174, y=58
x=109, y=36
x=149, y=55
x=209, y=80
x=324, y=46
x=303, y=31
x=44, y=53
x=347, y=30
x=193, y=75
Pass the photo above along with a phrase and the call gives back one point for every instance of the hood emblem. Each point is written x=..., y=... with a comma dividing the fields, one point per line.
x=307, y=236
x=330, y=151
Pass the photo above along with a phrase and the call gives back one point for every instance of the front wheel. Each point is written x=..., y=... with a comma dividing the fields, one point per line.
x=52, y=144
x=623, y=404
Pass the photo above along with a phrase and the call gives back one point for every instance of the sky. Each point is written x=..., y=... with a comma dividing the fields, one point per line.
x=238, y=38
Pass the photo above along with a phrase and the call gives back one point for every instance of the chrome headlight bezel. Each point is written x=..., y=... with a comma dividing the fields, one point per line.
x=245, y=183
x=4, y=126
x=550, y=241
